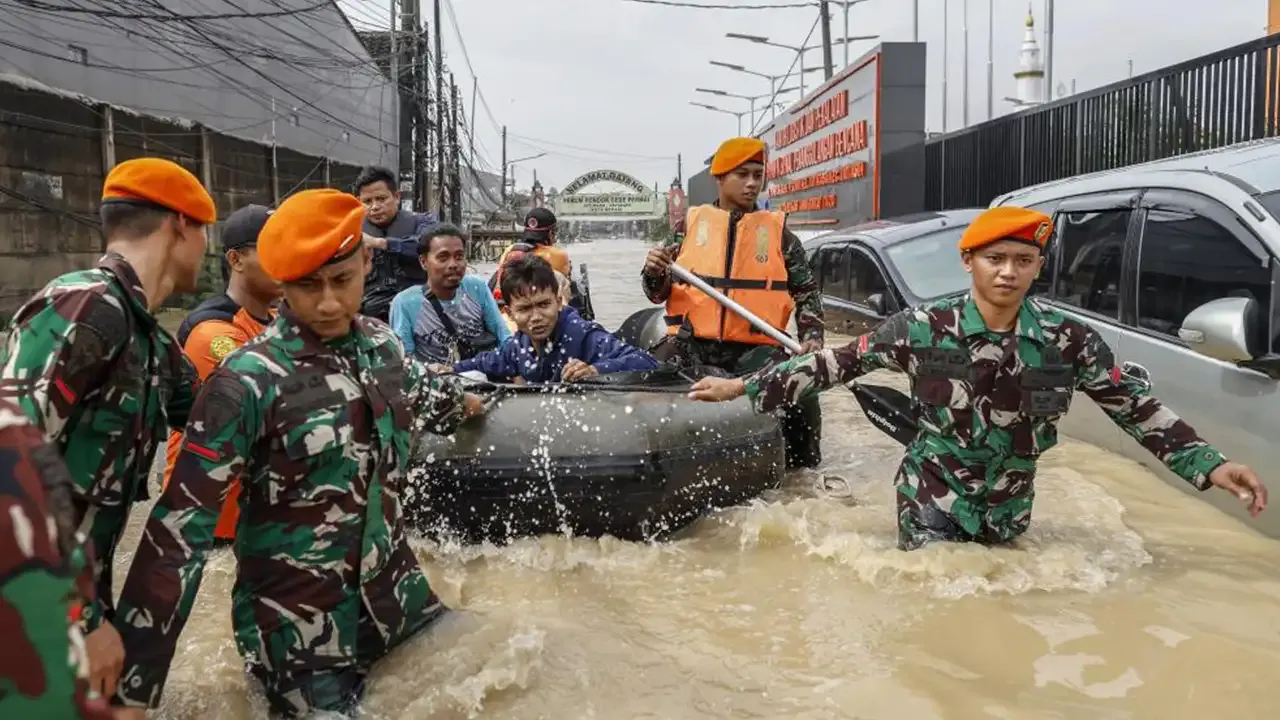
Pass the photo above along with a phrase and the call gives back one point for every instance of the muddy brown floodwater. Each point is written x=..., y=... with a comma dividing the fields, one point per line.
x=1127, y=599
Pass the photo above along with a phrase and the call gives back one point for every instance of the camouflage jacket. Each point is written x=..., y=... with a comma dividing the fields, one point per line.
x=319, y=434
x=45, y=673
x=987, y=400
x=89, y=365
x=800, y=283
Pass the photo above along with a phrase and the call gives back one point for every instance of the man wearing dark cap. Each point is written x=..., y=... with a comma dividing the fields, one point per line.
x=317, y=415
x=991, y=372
x=750, y=255
x=93, y=370
x=226, y=321
x=539, y=238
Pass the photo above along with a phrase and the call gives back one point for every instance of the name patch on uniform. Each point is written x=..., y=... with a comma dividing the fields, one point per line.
x=1042, y=403
x=943, y=363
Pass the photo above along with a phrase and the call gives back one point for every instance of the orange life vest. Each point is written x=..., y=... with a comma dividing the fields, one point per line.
x=206, y=344
x=556, y=257
x=755, y=277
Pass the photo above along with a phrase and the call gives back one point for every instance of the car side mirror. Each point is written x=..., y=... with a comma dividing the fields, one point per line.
x=1220, y=329
x=875, y=301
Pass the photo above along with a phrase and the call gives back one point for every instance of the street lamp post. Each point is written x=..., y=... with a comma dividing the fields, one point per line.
x=844, y=6
x=713, y=108
x=749, y=98
x=800, y=51
x=773, y=79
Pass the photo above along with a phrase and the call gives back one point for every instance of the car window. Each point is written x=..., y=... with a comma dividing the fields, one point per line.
x=930, y=264
x=1091, y=249
x=865, y=277
x=1187, y=260
x=835, y=271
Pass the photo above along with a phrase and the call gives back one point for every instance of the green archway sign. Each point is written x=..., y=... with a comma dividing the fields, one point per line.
x=640, y=202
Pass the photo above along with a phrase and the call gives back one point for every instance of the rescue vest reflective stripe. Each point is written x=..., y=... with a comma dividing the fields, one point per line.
x=755, y=276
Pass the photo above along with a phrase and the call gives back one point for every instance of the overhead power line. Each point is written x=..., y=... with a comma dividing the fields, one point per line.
x=701, y=6
x=173, y=17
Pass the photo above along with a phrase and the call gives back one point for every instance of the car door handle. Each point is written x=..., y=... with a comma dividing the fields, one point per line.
x=1137, y=374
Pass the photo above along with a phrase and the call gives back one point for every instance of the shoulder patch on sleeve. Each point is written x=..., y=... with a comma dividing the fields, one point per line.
x=219, y=405
x=221, y=346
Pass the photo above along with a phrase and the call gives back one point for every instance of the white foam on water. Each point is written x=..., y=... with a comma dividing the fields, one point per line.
x=1077, y=542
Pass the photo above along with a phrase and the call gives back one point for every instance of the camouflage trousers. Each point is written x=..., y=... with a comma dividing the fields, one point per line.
x=299, y=694
x=990, y=505
x=801, y=423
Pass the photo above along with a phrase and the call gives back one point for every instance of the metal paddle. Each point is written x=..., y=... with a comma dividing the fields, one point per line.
x=888, y=409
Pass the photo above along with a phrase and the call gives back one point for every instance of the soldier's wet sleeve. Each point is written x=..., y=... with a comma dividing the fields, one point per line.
x=57, y=353
x=658, y=287
x=887, y=347
x=437, y=402
x=1143, y=417
x=167, y=568
x=45, y=673
x=803, y=288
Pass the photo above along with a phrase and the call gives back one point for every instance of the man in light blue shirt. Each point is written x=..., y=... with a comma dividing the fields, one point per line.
x=453, y=316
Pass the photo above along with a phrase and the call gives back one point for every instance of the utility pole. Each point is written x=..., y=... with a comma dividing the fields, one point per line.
x=1048, y=51
x=964, y=82
x=441, y=107
x=471, y=133
x=504, y=164
x=991, y=51
x=825, y=9
x=680, y=170
x=456, y=160
x=395, y=84
x=946, y=34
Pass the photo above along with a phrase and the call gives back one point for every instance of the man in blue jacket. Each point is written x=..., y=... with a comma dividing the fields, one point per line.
x=552, y=342
x=394, y=235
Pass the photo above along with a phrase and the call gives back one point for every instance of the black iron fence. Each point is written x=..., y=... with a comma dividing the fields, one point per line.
x=1212, y=101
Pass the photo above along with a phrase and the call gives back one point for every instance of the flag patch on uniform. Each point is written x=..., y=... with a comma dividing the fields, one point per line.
x=202, y=451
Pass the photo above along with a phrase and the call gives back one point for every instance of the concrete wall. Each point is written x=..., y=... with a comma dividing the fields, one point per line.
x=308, y=72
x=55, y=152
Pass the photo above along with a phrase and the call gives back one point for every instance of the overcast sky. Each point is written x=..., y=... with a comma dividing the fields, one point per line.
x=607, y=83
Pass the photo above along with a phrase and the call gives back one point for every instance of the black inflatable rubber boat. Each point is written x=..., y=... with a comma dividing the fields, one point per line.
x=628, y=456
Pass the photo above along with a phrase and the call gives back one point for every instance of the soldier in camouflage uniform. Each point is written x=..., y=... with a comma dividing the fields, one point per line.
x=704, y=344
x=992, y=373
x=89, y=365
x=44, y=577
x=316, y=416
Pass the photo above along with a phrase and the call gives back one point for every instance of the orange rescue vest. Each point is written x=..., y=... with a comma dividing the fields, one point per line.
x=755, y=276
x=555, y=256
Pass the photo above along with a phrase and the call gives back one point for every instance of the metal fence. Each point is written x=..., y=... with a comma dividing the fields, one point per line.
x=1212, y=101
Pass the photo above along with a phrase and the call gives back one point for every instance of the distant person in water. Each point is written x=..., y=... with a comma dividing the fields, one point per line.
x=992, y=372
x=552, y=343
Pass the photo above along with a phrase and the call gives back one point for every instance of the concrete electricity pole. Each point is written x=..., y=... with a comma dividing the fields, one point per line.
x=825, y=9
x=442, y=105
x=504, y=164
x=455, y=162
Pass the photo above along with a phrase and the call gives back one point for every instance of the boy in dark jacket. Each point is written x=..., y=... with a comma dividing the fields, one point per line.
x=552, y=343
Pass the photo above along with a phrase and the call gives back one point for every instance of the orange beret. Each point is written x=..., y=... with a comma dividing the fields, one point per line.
x=309, y=230
x=160, y=182
x=1007, y=223
x=736, y=152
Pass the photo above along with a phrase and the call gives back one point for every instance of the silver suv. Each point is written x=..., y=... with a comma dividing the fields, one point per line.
x=1175, y=263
